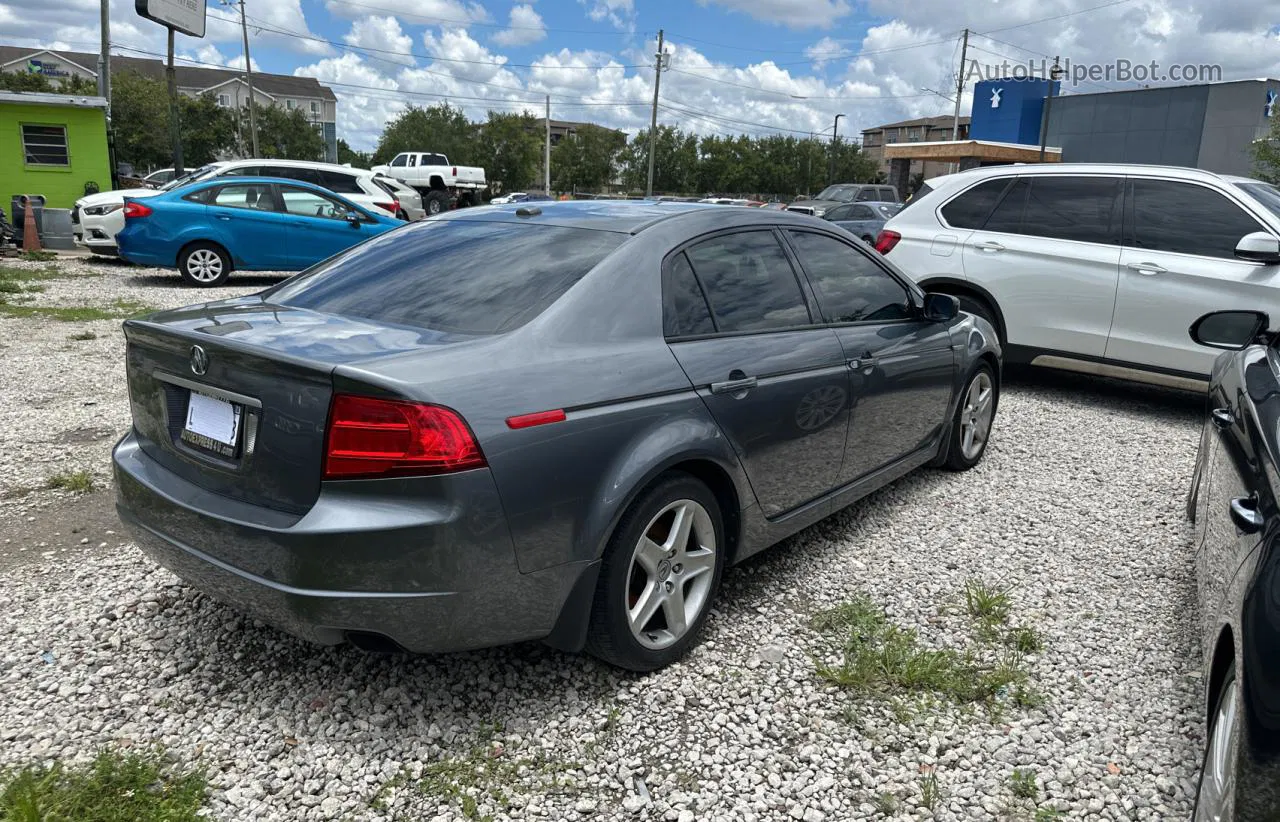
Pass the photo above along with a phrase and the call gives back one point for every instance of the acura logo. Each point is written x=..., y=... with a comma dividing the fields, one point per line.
x=199, y=361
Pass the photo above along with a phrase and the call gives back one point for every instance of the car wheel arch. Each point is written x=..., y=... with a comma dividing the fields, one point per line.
x=963, y=288
x=1224, y=654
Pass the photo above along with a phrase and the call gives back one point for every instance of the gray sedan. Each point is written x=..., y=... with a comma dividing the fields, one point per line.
x=863, y=220
x=556, y=422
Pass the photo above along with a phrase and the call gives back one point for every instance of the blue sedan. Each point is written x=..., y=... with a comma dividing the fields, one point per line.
x=247, y=223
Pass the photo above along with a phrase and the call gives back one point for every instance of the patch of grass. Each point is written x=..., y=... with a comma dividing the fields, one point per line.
x=1022, y=784
x=117, y=310
x=78, y=482
x=38, y=256
x=1024, y=639
x=82, y=336
x=484, y=774
x=1049, y=815
x=113, y=788
x=930, y=792
x=886, y=803
x=988, y=606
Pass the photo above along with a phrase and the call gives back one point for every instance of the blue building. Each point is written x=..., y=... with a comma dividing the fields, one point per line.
x=1010, y=111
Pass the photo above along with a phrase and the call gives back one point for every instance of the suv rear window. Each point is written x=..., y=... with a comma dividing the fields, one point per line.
x=971, y=209
x=455, y=276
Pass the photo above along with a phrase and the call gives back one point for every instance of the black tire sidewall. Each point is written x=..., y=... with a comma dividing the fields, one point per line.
x=192, y=281
x=609, y=636
x=956, y=460
x=1209, y=731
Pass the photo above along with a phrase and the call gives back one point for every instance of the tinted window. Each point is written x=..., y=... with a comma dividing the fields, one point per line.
x=1073, y=208
x=413, y=160
x=866, y=195
x=244, y=171
x=924, y=189
x=399, y=160
x=433, y=159
x=851, y=288
x=340, y=183
x=306, y=175
x=1007, y=216
x=749, y=282
x=1264, y=193
x=452, y=276
x=684, y=309
x=860, y=212
x=970, y=209
x=255, y=195
x=1187, y=219
x=840, y=212
x=303, y=203
x=889, y=195
x=842, y=194
x=201, y=196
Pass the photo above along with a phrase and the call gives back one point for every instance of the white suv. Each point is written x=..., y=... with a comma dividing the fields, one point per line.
x=97, y=218
x=1095, y=268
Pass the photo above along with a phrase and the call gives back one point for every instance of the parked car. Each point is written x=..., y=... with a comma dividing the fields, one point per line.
x=1234, y=502
x=441, y=183
x=514, y=197
x=97, y=218
x=862, y=219
x=835, y=195
x=547, y=433
x=208, y=229
x=407, y=197
x=158, y=177
x=1095, y=268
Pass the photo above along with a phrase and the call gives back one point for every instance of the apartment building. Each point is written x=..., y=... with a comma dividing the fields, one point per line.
x=919, y=130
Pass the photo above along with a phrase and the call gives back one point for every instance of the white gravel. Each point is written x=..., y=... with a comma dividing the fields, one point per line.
x=1077, y=507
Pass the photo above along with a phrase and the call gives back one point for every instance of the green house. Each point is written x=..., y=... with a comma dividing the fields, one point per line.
x=52, y=145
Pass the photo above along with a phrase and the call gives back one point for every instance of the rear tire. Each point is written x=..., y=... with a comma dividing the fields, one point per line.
x=974, y=418
x=204, y=265
x=1215, y=792
x=667, y=553
x=436, y=202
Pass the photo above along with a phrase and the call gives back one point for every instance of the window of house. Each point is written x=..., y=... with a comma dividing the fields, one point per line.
x=289, y=104
x=224, y=100
x=45, y=145
x=315, y=107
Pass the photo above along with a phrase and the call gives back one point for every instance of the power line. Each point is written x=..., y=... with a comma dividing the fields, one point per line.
x=1062, y=16
x=798, y=96
x=1032, y=52
x=691, y=111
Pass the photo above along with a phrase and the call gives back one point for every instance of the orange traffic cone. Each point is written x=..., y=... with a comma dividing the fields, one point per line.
x=30, y=239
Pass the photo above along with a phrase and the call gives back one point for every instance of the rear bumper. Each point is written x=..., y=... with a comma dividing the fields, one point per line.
x=427, y=563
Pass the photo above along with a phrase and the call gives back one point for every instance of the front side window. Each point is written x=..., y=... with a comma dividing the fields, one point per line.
x=399, y=161
x=971, y=209
x=859, y=212
x=749, y=282
x=45, y=145
x=303, y=203
x=253, y=195
x=684, y=308
x=850, y=287
x=1184, y=218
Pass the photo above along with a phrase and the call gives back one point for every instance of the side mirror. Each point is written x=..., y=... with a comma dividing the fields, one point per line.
x=940, y=308
x=1229, y=330
x=353, y=217
x=1260, y=247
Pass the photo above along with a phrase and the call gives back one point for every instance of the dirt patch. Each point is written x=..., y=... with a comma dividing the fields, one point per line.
x=62, y=531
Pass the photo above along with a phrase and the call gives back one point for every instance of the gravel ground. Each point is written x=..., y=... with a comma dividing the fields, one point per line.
x=1073, y=509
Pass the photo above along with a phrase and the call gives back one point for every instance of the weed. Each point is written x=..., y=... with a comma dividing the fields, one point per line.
x=112, y=788
x=484, y=773
x=1049, y=815
x=78, y=482
x=1022, y=783
x=1024, y=639
x=886, y=803
x=930, y=792
x=38, y=256
x=117, y=310
x=989, y=606
x=82, y=336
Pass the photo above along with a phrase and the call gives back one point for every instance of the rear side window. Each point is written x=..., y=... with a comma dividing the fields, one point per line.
x=971, y=209
x=340, y=183
x=840, y=212
x=866, y=195
x=1007, y=216
x=684, y=308
x=749, y=282
x=924, y=189
x=851, y=288
x=889, y=195
x=433, y=159
x=254, y=195
x=244, y=171
x=1084, y=209
x=1184, y=218
x=456, y=276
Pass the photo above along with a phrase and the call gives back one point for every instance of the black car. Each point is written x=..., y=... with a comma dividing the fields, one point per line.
x=1233, y=501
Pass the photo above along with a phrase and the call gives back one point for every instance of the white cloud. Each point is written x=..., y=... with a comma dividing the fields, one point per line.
x=276, y=23
x=797, y=14
x=382, y=35
x=419, y=12
x=620, y=13
x=826, y=50
x=526, y=27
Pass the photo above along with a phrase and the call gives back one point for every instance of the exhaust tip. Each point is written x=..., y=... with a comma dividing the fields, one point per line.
x=374, y=642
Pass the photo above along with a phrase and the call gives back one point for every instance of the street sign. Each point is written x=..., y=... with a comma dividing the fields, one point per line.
x=186, y=16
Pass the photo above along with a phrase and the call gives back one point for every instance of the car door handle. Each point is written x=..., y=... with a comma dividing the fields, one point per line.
x=1147, y=268
x=990, y=247
x=223, y=216
x=733, y=386
x=1223, y=418
x=862, y=362
x=1244, y=513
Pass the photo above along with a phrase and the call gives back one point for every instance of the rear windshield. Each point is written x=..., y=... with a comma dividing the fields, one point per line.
x=452, y=275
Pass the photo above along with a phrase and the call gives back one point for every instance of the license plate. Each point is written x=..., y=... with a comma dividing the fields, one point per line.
x=212, y=424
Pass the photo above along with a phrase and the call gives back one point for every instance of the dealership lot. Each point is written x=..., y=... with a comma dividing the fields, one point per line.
x=1076, y=511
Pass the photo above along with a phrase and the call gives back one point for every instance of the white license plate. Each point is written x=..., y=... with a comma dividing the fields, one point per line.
x=212, y=419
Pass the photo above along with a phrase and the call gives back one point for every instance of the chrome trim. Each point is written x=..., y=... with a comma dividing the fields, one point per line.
x=1100, y=369
x=201, y=388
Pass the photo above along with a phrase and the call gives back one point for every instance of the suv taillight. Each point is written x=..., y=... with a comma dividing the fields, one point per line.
x=371, y=437
x=392, y=207
x=133, y=210
x=886, y=240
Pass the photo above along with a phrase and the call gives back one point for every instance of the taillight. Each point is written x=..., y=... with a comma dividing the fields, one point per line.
x=392, y=207
x=455, y=171
x=886, y=240
x=133, y=209
x=370, y=437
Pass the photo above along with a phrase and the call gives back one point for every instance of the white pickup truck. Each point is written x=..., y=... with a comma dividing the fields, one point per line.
x=439, y=181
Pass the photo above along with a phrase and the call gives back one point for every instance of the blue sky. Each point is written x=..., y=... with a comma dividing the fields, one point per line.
x=753, y=66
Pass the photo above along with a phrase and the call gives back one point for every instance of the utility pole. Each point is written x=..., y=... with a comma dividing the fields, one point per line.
x=175, y=136
x=104, y=57
x=248, y=79
x=835, y=139
x=1054, y=75
x=660, y=57
x=546, y=163
x=964, y=55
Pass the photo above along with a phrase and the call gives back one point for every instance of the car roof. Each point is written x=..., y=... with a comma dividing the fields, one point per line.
x=1178, y=172
x=622, y=216
x=238, y=180
x=358, y=172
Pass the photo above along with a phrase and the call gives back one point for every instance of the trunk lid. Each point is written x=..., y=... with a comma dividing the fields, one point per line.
x=274, y=366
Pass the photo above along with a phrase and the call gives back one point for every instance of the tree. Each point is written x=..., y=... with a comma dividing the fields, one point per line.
x=347, y=155
x=510, y=150
x=852, y=164
x=586, y=160
x=139, y=120
x=31, y=81
x=1266, y=154
x=440, y=128
x=287, y=135
x=675, y=168
x=206, y=129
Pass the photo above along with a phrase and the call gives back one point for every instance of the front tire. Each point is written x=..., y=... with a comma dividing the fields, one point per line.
x=975, y=414
x=1216, y=794
x=436, y=202
x=204, y=265
x=661, y=570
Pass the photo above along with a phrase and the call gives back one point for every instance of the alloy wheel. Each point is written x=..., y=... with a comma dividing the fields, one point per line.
x=204, y=265
x=976, y=415
x=672, y=568
x=1218, y=780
